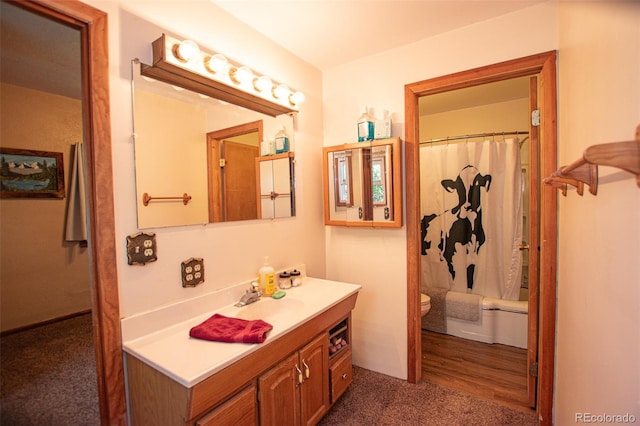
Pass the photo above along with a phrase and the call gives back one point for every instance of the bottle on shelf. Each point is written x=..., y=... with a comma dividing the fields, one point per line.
x=282, y=141
x=365, y=126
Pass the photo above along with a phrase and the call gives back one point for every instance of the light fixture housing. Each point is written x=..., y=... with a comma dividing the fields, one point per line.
x=215, y=76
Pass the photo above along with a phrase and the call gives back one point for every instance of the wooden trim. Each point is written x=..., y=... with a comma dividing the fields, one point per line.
x=548, y=243
x=93, y=25
x=534, y=242
x=545, y=64
x=412, y=173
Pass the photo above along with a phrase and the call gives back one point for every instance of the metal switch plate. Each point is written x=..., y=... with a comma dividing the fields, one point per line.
x=192, y=272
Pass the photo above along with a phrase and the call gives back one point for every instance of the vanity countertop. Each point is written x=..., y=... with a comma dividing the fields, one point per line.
x=188, y=361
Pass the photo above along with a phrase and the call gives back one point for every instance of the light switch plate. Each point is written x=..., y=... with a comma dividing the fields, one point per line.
x=192, y=272
x=141, y=248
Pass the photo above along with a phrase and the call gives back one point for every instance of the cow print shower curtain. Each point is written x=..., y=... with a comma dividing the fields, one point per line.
x=471, y=217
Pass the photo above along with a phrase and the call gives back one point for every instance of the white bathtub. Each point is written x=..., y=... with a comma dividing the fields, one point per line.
x=502, y=321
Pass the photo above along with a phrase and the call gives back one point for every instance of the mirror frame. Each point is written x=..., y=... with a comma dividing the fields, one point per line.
x=396, y=184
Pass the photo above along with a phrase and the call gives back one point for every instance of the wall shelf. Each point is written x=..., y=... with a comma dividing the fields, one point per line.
x=623, y=155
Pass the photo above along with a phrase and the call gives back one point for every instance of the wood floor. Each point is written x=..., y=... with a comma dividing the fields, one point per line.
x=491, y=371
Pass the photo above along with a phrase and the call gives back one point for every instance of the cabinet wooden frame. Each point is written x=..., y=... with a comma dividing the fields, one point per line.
x=393, y=192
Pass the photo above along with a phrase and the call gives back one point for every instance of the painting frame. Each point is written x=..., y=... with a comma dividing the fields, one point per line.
x=28, y=173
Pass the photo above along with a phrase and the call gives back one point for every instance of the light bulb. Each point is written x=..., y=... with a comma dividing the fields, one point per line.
x=217, y=63
x=281, y=91
x=262, y=83
x=242, y=74
x=186, y=50
x=297, y=98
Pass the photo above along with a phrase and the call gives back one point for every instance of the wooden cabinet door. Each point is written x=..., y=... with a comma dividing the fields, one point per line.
x=279, y=394
x=314, y=392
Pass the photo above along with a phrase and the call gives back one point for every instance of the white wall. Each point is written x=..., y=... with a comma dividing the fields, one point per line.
x=376, y=259
x=232, y=252
x=598, y=342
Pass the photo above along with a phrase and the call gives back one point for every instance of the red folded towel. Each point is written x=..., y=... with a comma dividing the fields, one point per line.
x=232, y=330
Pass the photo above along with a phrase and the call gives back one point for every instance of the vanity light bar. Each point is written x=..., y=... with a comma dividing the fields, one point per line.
x=182, y=63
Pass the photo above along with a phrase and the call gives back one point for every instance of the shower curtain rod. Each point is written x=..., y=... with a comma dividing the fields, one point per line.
x=477, y=135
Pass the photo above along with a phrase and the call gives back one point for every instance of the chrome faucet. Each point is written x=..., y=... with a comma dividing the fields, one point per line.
x=252, y=295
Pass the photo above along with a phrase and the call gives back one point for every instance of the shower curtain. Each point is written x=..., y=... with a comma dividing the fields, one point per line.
x=471, y=217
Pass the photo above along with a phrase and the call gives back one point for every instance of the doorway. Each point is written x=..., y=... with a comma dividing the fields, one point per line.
x=231, y=171
x=543, y=65
x=92, y=24
x=490, y=126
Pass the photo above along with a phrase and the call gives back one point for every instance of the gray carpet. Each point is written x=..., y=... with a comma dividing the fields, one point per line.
x=375, y=399
x=48, y=377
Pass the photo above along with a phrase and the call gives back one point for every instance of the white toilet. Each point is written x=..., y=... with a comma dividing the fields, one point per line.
x=425, y=304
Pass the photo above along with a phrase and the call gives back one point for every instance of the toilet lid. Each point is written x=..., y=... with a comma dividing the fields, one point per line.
x=424, y=299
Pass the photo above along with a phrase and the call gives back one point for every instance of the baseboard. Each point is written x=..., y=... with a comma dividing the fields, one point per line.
x=42, y=323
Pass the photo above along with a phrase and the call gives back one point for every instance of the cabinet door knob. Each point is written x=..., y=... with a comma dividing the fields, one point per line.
x=344, y=376
x=306, y=369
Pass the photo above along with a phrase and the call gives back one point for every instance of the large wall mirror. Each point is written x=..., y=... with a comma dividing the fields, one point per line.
x=362, y=184
x=198, y=159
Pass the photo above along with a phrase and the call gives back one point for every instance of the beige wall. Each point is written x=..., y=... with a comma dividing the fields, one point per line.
x=233, y=251
x=43, y=277
x=377, y=258
x=497, y=117
x=598, y=342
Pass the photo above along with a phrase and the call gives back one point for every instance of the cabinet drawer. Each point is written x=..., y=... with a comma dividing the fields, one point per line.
x=341, y=375
x=241, y=410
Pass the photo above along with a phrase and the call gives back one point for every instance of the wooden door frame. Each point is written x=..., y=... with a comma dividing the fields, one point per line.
x=543, y=64
x=93, y=26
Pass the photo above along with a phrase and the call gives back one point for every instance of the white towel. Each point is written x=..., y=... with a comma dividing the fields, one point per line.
x=464, y=306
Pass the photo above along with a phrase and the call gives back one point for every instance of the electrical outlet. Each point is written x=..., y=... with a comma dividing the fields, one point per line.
x=141, y=248
x=192, y=272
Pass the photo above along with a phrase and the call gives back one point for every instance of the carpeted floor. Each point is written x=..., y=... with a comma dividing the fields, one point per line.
x=377, y=399
x=48, y=378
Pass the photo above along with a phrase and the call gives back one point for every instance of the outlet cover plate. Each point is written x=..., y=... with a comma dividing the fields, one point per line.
x=141, y=248
x=192, y=272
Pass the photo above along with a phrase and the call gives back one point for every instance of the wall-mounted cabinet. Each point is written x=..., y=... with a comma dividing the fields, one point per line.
x=363, y=184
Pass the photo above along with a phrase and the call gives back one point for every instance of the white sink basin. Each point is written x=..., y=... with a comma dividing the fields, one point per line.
x=268, y=307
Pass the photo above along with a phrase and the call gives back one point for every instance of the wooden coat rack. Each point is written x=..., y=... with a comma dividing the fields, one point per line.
x=623, y=155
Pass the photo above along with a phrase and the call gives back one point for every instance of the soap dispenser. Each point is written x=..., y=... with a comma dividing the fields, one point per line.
x=267, y=278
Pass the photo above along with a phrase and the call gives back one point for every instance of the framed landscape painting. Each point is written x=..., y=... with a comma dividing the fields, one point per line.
x=31, y=174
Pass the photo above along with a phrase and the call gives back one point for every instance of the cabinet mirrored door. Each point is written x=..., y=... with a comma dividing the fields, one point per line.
x=362, y=184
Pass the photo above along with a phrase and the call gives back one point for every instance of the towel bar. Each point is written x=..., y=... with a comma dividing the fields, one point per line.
x=146, y=198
